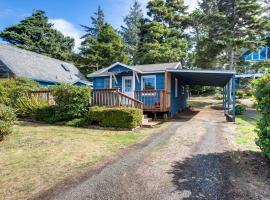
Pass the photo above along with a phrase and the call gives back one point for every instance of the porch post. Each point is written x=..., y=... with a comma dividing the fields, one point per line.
x=110, y=80
x=223, y=98
x=133, y=83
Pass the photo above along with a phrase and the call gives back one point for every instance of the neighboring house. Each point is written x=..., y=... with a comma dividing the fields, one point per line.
x=159, y=87
x=16, y=62
x=256, y=56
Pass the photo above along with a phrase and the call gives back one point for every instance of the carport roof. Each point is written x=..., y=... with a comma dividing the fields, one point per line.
x=217, y=78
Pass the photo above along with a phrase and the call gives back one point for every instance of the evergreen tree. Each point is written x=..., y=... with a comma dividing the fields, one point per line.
x=106, y=49
x=231, y=26
x=131, y=30
x=97, y=23
x=162, y=37
x=36, y=34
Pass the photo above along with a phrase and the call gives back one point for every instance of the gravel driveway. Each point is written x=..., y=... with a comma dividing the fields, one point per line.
x=189, y=160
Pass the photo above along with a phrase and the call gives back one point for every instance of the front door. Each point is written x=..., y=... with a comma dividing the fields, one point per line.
x=128, y=86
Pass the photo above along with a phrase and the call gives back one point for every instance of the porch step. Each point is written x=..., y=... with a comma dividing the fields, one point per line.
x=150, y=124
x=147, y=119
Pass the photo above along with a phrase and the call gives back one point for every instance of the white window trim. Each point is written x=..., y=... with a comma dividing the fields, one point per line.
x=123, y=79
x=176, y=88
x=148, y=76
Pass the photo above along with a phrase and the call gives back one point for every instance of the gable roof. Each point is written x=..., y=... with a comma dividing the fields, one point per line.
x=144, y=69
x=38, y=67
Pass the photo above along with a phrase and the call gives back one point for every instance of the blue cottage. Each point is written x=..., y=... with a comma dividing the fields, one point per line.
x=152, y=85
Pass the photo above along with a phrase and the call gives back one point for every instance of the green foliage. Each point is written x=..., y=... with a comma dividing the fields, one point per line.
x=202, y=90
x=71, y=101
x=131, y=30
x=262, y=95
x=223, y=28
x=7, y=119
x=240, y=94
x=115, y=117
x=162, y=37
x=240, y=109
x=13, y=89
x=29, y=106
x=106, y=49
x=78, y=122
x=35, y=33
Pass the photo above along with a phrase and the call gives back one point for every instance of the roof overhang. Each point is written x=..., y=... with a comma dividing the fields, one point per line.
x=218, y=78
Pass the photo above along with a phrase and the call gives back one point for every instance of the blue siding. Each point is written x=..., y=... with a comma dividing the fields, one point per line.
x=98, y=82
x=178, y=103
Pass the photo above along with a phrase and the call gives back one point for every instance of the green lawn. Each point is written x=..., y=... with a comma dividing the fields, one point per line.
x=35, y=157
x=246, y=135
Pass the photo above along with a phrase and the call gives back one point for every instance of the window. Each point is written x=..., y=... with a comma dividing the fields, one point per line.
x=148, y=82
x=263, y=53
x=255, y=55
x=4, y=75
x=127, y=84
x=106, y=83
x=65, y=67
x=176, y=87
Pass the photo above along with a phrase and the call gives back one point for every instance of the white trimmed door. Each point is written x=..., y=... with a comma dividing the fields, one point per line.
x=127, y=86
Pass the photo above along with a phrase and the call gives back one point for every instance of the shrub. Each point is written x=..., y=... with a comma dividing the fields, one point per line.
x=262, y=95
x=240, y=109
x=79, y=122
x=12, y=89
x=121, y=117
x=29, y=106
x=7, y=119
x=240, y=94
x=71, y=101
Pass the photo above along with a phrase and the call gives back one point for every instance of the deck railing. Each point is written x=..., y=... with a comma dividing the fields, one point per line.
x=154, y=100
x=44, y=95
x=113, y=97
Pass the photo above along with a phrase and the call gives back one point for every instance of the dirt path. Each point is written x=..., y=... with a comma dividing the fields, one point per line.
x=190, y=160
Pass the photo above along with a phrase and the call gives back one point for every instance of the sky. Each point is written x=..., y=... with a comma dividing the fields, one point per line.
x=67, y=15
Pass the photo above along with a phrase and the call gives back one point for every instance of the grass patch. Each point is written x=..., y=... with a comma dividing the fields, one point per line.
x=198, y=104
x=36, y=157
x=246, y=135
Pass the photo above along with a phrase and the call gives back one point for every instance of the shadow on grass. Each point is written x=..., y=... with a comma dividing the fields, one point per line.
x=207, y=176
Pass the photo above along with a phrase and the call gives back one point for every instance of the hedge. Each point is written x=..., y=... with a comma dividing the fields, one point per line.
x=121, y=117
x=262, y=95
x=7, y=119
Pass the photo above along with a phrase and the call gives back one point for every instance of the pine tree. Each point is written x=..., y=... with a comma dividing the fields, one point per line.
x=107, y=49
x=162, y=37
x=97, y=23
x=234, y=24
x=36, y=34
x=130, y=32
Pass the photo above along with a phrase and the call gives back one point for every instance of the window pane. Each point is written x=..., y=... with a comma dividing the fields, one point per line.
x=263, y=54
x=128, y=85
x=255, y=55
x=148, y=83
x=248, y=57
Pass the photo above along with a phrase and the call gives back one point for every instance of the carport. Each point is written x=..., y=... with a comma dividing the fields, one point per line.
x=216, y=78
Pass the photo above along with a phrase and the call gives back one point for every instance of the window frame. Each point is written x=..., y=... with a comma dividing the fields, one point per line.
x=148, y=76
x=106, y=79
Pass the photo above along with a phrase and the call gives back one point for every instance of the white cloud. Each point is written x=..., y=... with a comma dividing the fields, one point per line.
x=68, y=29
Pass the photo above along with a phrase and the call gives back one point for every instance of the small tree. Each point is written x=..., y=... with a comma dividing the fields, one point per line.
x=262, y=95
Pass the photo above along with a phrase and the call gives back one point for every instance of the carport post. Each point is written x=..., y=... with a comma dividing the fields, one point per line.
x=228, y=96
x=233, y=90
x=224, y=96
